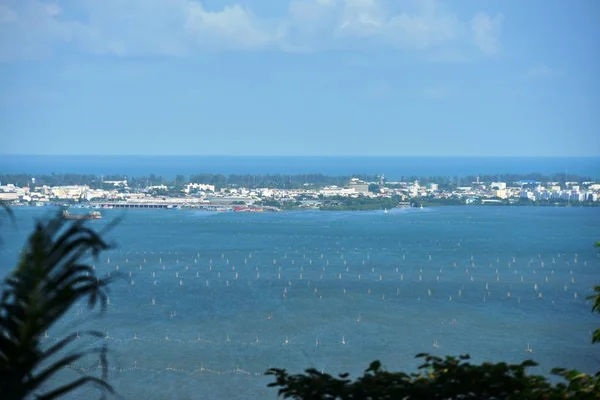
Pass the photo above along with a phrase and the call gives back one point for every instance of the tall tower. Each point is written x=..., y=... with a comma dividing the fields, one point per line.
x=381, y=177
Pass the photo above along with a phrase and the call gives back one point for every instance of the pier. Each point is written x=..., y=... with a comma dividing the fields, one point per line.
x=136, y=205
x=173, y=206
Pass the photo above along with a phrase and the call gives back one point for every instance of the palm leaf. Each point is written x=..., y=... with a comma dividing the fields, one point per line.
x=49, y=279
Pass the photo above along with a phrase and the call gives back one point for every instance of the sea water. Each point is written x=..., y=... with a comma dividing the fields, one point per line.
x=207, y=302
x=394, y=168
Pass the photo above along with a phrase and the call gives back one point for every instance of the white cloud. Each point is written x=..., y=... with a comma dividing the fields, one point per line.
x=424, y=26
x=361, y=18
x=486, y=32
x=543, y=71
x=429, y=27
x=232, y=27
x=179, y=27
x=33, y=29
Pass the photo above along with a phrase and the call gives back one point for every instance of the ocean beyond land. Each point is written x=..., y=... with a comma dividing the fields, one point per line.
x=208, y=302
x=394, y=167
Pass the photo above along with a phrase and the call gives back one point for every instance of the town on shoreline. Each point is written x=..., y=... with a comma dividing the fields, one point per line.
x=258, y=193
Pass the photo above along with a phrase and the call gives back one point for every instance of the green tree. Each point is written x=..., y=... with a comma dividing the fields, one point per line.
x=179, y=182
x=596, y=306
x=438, y=378
x=374, y=188
x=49, y=279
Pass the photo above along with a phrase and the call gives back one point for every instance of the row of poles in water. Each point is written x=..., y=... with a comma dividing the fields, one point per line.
x=135, y=367
x=166, y=339
x=257, y=341
x=317, y=293
x=359, y=276
x=473, y=266
x=321, y=257
x=342, y=341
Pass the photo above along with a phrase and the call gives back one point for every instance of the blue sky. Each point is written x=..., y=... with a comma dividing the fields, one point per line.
x=301, y=77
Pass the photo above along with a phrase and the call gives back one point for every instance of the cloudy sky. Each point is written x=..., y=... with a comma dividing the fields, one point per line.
x=312, y=77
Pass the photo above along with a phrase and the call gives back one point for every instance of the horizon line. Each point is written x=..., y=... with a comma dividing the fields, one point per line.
x=299, y=155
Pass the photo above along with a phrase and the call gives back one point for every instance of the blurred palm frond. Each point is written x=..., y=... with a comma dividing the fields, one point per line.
x=49, y=279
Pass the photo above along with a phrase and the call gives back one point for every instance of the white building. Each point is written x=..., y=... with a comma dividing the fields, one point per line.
x=68, y=192
x=158, y=187
x=9, y=196
x=337, y=191
x=501, y=193
x=116, y=183
x=526, y=194
x=576, y=196
x=202, y=187
x=359, y=186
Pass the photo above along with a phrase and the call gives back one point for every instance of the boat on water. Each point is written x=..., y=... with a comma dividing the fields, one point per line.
x=90, y=215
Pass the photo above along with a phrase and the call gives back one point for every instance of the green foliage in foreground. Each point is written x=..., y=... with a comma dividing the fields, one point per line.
x=596, y=306
x=437, y=378
x=49, y=279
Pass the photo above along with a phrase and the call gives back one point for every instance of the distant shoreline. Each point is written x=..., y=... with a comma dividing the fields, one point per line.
x=257, y=193
x=305, y=209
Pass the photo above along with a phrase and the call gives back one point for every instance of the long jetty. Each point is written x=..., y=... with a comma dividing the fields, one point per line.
x=134, y=205
x=173, y=205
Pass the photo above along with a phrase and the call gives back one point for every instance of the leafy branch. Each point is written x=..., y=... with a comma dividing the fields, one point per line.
x=50, y=278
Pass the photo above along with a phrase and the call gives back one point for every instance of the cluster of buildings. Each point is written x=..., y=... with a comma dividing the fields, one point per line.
x=71, y=193
x=573, y=194
x=533, y=191
x=198, y=194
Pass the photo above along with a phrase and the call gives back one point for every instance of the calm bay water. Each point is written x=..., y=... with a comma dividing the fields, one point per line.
x=215, y=299
x=394, y=168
